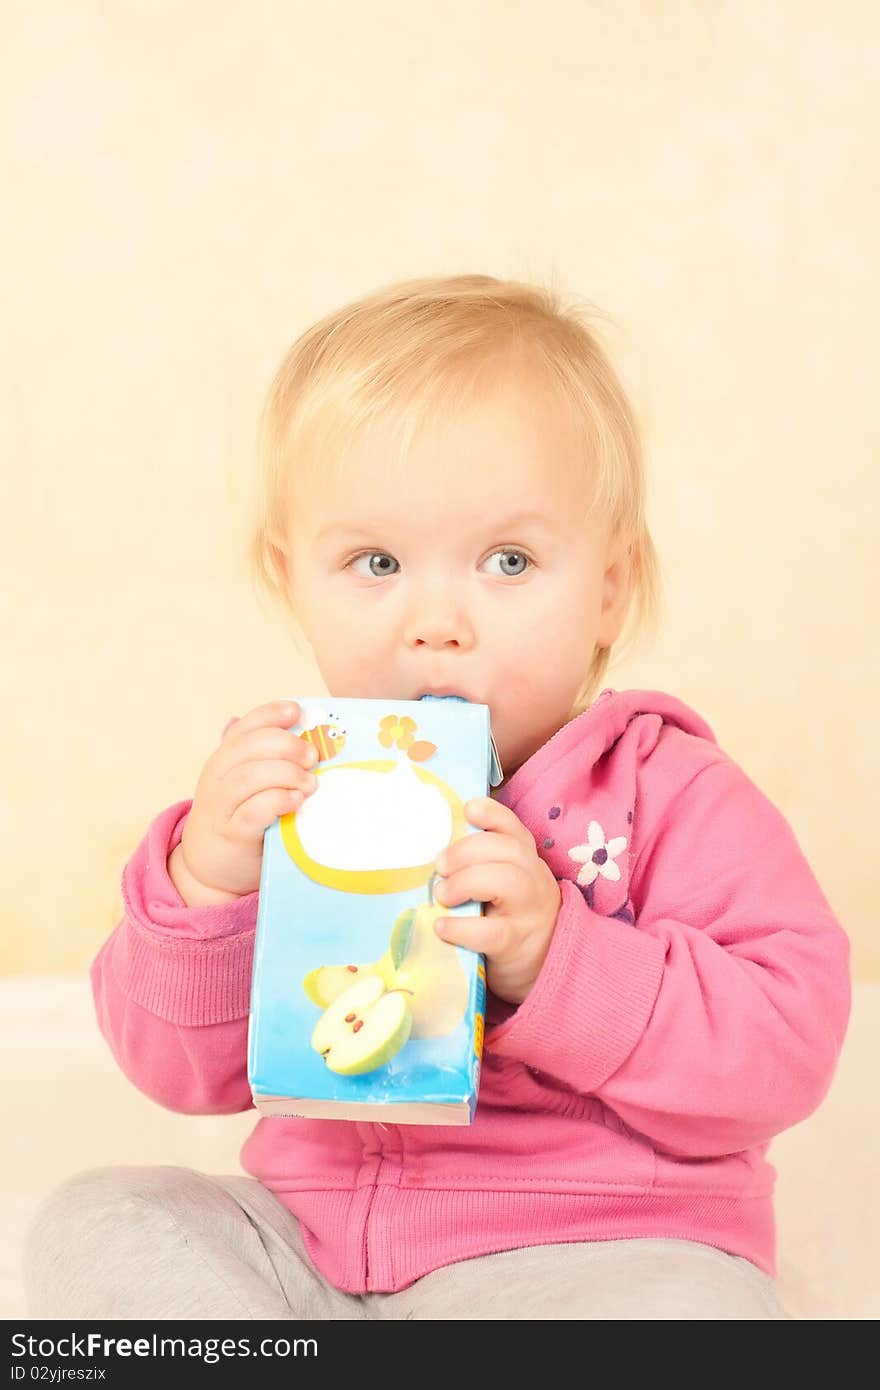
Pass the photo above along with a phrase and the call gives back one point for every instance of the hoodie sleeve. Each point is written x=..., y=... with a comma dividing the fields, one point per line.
x=716, y=1021
x=172, y=983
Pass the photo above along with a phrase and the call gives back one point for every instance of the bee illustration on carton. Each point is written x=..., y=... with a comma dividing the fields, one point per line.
x=398, y=816
x=326, y=738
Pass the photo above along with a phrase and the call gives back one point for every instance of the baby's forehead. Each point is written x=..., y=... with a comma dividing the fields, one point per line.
x=519, y=449
x=501, y=455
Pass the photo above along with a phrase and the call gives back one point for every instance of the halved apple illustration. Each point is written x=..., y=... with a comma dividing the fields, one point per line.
x=363, y=1028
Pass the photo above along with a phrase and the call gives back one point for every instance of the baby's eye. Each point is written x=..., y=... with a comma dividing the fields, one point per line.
x=384, y=562
x=516, y=556
x=383, y=568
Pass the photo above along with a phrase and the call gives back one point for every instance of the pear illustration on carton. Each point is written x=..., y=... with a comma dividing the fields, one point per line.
x=428, y=968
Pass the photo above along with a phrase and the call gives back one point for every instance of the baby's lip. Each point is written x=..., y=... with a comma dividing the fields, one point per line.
x=442, y=690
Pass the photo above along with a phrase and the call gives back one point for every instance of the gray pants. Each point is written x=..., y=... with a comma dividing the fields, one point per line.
x=164, y=1243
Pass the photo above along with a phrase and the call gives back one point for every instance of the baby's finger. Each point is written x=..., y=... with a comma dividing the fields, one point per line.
x=280, y=713
x=495, y=883
x=488, y=814
x=262, y=744
x=491, y=847
x=248, y=779
x=474, y=933
x=258, y=812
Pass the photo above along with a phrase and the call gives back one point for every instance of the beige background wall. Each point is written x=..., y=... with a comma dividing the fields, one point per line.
x=189, y=185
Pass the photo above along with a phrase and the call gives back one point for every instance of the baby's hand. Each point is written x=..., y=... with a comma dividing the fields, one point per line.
x=258, y=772
x=501, y=868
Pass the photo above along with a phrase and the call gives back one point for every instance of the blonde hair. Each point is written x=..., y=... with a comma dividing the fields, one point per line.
x=419, y=346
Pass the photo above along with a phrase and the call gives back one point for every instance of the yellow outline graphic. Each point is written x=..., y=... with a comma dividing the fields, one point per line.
x=372, y=880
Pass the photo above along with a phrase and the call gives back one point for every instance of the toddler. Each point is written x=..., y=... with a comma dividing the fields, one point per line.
x=452, y=500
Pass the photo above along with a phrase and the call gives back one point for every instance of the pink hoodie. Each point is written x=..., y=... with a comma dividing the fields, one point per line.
x=692, y=1005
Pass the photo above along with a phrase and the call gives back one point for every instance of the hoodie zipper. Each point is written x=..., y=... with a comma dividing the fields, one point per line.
x=368, y=1216
x=382, y=1157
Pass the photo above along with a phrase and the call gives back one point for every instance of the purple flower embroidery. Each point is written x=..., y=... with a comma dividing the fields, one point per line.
x=597, y=855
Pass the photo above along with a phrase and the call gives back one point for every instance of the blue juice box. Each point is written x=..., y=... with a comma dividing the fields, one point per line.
x=358, y=1009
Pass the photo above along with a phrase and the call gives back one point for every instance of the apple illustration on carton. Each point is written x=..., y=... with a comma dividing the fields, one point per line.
x=329, y=981
x=363, y=1028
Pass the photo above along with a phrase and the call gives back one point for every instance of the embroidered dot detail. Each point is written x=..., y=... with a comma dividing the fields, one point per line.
x=629, y=817
x=548, y=844
x=554, y=812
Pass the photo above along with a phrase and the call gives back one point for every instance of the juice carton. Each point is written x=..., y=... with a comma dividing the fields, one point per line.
x=358, y=1009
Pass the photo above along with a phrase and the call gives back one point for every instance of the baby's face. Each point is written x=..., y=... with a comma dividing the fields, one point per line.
x=473, y=573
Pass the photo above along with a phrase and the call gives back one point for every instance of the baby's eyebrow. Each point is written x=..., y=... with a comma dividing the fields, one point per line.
x=503, y=523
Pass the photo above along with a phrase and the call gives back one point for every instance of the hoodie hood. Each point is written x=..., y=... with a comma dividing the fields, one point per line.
x=595, y=793
x=595, y=731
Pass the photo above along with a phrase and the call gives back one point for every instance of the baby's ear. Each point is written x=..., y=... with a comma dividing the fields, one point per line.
x=279, y=558
x=616, y=592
